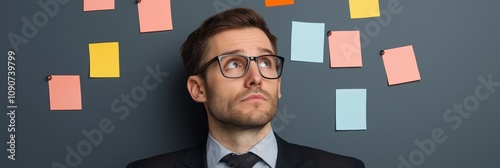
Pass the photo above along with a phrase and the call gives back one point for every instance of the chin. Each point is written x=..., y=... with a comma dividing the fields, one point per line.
x=260, y=118
x=251, y=119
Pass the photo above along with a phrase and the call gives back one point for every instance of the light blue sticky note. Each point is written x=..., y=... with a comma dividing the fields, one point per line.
x=350, y=109
x=307, y=41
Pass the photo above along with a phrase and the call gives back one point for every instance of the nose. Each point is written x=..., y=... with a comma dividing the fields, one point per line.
x=253, y=77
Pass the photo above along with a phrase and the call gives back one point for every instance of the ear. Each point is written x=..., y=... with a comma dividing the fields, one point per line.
x=279, y=88
x=196, y=88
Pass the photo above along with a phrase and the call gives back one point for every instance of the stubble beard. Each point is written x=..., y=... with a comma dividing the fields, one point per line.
x=227, y=113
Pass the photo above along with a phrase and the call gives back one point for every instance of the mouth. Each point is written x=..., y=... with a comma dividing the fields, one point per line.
x=254, y=97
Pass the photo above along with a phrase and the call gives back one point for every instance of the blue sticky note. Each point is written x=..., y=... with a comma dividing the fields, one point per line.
x=350, y=109
x=307, y=41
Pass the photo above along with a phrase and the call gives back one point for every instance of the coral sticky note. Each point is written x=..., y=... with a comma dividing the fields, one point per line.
x=400, y=65
x=104, y=60
x=271, y=3
x=345, y=49
x=96, y=5
x=154, y=15
x=364, y=8
x=350, y=109
x=307, y=41
x=65, y=92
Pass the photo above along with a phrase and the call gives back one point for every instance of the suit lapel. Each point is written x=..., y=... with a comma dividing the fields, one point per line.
x=287, y=156
x=196, y=157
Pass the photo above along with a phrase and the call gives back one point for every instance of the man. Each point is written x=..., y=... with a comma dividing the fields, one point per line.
x=234, y=72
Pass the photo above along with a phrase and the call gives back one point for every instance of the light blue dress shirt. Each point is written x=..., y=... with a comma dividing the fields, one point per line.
x=267, y=149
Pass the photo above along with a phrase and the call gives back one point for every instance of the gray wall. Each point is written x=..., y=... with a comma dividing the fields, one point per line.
x=455, y=41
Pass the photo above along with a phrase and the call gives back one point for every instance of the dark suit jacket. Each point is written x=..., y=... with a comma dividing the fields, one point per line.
x=289, y=155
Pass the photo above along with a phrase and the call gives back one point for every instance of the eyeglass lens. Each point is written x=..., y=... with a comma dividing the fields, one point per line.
x=236, y=65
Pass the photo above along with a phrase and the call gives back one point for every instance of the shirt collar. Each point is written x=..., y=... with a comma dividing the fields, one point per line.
x=215, y=151
x=267, y=149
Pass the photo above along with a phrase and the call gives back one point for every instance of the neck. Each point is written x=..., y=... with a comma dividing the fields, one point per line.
x=239, y=140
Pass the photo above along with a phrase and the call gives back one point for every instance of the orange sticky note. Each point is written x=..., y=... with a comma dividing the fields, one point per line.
x=271, y=3
x=401, y=65
x=95, y=5
x=64, y=92
x=154, y=15
x=345, y=49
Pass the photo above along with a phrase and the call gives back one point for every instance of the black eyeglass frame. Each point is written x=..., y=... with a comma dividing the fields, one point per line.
x=249, y=59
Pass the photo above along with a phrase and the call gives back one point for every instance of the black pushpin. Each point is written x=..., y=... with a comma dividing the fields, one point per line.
x=329, y=33
x=49, y=77
x=138, y=1
x=382, y=52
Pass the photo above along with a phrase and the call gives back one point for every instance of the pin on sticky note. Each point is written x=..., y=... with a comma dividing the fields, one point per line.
x=345, y=49
x=96, y=5
x=64, y=92
x=104, y=60
x=272, y=3
x=400, y=65
x=307, y=41
x=364, y=8
x=350, y=109
x=154, y=15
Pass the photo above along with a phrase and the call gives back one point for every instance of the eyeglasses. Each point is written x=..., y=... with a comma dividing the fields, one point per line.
x=236, y=65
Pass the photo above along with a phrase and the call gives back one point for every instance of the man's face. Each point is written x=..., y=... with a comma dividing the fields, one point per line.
x=247, y=102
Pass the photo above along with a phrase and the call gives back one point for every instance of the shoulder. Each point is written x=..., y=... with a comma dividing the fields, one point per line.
x=303, y=156
x=163, y=160
x=326, y=159
x=191, y=157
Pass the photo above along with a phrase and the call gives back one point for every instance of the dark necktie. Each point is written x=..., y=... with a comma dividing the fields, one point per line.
x=246, y=160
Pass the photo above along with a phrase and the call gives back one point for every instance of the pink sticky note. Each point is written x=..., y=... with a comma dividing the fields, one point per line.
x=154, y=15
x=401, y=65
x=95, y=5
x=64, y=92
x=345, y=49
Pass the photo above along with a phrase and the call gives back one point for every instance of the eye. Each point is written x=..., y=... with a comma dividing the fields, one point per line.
x=265, y=62
x=233, y=64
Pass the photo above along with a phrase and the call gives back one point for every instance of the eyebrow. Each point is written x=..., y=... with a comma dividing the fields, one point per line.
x=262, y=50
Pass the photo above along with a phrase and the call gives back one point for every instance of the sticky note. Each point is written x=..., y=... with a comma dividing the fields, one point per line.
x=364, y=8
x=350, y=109
x=345, y=49
x=154, y=15
x=271, y=3
x=307, y=41
x=104, y=60
x=400, y=65
x=65, y=92
x=96, y=5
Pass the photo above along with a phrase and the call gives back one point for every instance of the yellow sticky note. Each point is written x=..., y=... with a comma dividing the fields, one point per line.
x=95, y=5
x=401, y=65
x=364, y=8
x=65, y=92
x=271, y=3
x=104, y=60
x=345, y=49
x=154, y=15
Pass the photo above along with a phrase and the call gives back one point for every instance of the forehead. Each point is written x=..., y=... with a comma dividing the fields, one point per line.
x=247, y=41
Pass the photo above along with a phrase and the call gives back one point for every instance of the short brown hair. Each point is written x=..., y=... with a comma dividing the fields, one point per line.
x=195, y=46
